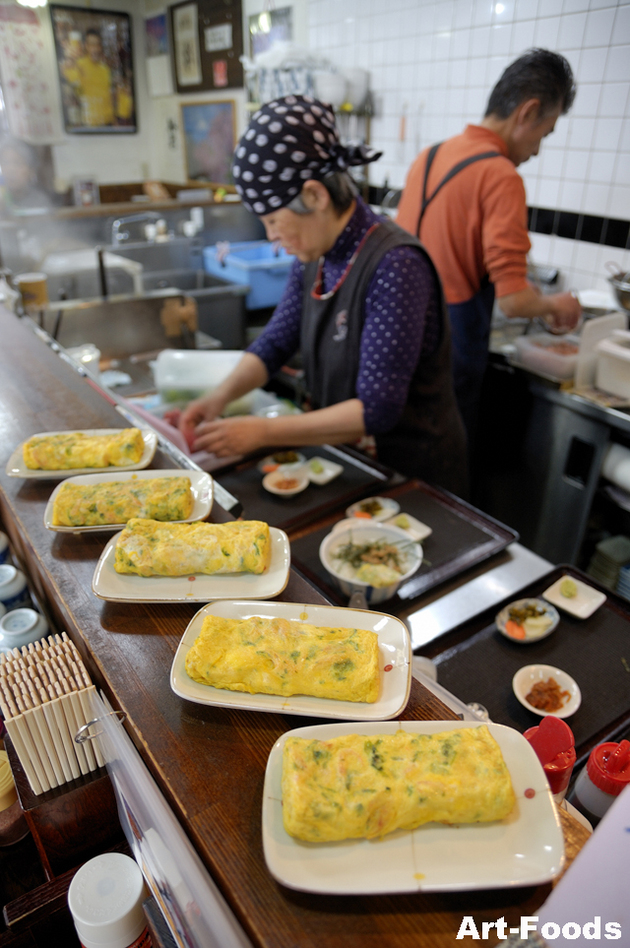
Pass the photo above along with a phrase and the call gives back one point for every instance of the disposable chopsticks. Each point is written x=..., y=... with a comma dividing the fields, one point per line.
x=45, y=693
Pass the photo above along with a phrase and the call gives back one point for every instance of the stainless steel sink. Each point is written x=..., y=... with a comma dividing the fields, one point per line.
x=176, y=253
x=220, y=305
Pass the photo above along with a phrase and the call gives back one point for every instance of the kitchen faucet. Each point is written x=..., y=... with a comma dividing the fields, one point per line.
x=119, y=236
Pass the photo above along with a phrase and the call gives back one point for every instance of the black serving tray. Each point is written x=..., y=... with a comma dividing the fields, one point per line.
x=462, y=537
x=477, y=663
x=361, y=477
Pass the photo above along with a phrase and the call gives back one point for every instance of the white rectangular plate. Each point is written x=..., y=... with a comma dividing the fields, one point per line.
x=127, y=587
x=417, y=530
x=587, y=601
x=526, y=848
x=330, y=470
x=394, y=650
x=201, y=485
x=17, y=468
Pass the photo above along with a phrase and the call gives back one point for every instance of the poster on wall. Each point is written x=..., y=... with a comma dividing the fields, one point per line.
x=209, y=137
x=159, y=77
x=95, y=64
x=28, y=74
x=208, y=45
x=186, y=39
x=268, y=28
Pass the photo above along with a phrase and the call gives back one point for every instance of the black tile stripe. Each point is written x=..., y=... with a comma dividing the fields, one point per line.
x=609, y=231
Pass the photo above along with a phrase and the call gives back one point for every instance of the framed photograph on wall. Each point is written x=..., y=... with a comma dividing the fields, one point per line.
x=209, y=130
x=95, y=64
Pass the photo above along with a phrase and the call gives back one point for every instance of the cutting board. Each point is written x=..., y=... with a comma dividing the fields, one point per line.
x=593, y=331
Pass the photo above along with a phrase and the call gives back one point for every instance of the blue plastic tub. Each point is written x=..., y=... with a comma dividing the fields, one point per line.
x=256, y=262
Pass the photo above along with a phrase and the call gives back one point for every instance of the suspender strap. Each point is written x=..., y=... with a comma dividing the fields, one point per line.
x=447, y=177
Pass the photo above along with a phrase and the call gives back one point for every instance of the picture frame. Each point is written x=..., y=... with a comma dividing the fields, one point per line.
x=207, y=41
x=96, y=71
x=209, y=134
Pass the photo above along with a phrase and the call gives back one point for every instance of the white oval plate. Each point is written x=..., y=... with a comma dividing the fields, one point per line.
x=525, y=677
x=127, y=587
x=17, y=468
x=389, y=507
x=526, y=848
x=201, y=485
x=394, y=650
x=587, y=601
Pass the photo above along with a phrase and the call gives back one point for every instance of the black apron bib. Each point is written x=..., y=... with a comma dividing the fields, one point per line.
x=470, y=320
x=428, y=441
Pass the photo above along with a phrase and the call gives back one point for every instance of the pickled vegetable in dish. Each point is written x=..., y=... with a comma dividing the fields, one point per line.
x=316, y=466
x=281, y=657
x=287, y=483
x=376, y=562
x=547, y=695
x=356, y=786
x=370, y=507
x=286, y=457
x=531, y=619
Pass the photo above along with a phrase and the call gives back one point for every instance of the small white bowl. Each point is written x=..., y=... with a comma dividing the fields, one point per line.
x=389, y=507
x=269, y=464
x=271, y=481
x=365, y=531
x=503, y=617
x=525, y=678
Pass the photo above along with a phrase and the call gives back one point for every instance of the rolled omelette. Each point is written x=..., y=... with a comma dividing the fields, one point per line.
x=73, y=449
x=109, y=502
x=355, y=786
x=279, y=657
x=151, y=548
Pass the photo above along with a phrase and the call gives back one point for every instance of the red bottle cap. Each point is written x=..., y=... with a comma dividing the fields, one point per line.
x=553, y=742
x=608, y=767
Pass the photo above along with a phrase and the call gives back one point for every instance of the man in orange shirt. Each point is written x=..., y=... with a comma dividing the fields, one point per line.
x=466, y=201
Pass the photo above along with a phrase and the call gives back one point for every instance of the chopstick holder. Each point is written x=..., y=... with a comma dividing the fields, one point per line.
x=45, y=697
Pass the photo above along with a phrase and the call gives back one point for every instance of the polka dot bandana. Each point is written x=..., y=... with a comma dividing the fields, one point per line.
x=289, y=141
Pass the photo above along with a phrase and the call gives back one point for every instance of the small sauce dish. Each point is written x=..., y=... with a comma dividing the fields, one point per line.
x=285, y=482
x=528, y=676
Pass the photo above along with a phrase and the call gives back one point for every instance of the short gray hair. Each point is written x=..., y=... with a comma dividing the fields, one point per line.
x=341, y=188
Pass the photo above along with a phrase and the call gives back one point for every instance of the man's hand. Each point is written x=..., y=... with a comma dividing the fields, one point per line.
x=228, y=436
x=564, y=314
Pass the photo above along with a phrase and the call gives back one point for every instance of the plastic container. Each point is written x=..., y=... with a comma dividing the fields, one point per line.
x=554, y=744
x=105, y=899
x=14, y=592
x=183, y=374
x=5, y=553
x=257, y=262
x=20, y=627
x=612, y=370
x=606, y=774
x=543, y=352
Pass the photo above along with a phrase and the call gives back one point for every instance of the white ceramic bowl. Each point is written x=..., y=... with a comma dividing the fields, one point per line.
x=503, y=617
x=272, y=481
x=362, y=532
x=525, y=678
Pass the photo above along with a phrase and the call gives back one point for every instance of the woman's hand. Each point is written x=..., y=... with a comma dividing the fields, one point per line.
x=201, y=409
x=228, y=436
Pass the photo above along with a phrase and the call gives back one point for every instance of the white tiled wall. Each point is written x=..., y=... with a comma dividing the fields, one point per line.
x=432, y=65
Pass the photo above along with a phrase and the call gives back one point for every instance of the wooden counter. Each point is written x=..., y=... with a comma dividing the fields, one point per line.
x=208, y=762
